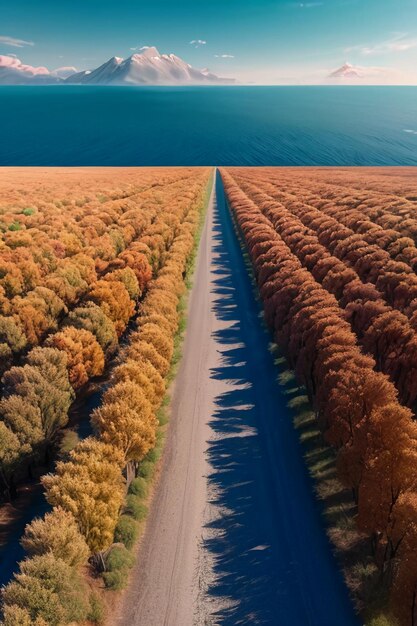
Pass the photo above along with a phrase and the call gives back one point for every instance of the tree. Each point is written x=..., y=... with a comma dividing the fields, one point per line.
x=390, y=465
x=57, y=533
x=42, y=383
x=402, y=541
x=91, y=317
x=11, y=279
x=14, y=615
x=127, y=277
x=90, y=486
x=163, y=303
x=126, y=421
x=10, y=453
x=67, y=281
x=85, y=358
x=50, y=589
x=23, y=418
x=39, y=311
x=113, y=298
x=144, y=375
x=142, y=350
x=159, y=338
x=11, y=333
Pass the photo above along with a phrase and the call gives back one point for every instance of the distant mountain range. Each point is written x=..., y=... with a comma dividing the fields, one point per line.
x=148, y=67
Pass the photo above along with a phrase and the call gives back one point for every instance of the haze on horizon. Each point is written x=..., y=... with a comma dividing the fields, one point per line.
x=254, y=41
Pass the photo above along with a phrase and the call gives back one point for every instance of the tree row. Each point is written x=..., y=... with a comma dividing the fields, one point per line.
x=357, y=407
x=50, y=265
x=382, y=331
x=88, y=489
x=37, y=398
x=392, y=209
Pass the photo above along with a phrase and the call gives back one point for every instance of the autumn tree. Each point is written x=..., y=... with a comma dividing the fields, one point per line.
x=14, y=615
x=143, y=350
x=85, y=358
x=50, y=589
x=42, y=384
x=126, y=420
x=91, y=317
x=402, y=543
x=159, y=338
x=38, y=312
x=144, y=375
x=113, y=298
x=12, y=341
x=127, y=277
x=57, y=533
x=390, y=462
x=10, y=454
x=137, y=262
x=90, y=487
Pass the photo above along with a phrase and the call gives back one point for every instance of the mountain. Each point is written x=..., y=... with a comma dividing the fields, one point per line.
x=149, y=67
x=361, y=75
x=347, y=71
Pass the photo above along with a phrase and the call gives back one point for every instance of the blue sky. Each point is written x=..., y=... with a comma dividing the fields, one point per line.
x=260, y=41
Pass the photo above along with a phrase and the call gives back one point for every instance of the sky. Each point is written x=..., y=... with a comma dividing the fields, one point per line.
x=254, y=41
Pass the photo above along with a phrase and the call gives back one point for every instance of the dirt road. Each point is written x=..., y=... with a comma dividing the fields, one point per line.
x=234, y=534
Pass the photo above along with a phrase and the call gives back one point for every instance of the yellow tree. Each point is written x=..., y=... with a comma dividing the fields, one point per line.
x=56, y=533
x=126, y=420
x=144, y=375
x=91, y=487
x=84, y=354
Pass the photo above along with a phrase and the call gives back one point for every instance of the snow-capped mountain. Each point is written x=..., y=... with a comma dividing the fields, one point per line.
x=347, y=71
x=360, y=75
x=149, y=67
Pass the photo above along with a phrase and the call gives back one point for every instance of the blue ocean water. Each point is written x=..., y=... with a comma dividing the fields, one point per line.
x=72, y=125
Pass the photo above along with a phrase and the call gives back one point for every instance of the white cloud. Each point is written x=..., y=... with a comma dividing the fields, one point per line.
x=140, y=48
x=399, y=42
x=64, y=72
x=198, y=42
x=224, y=56
x=306, y=5
x=12, y=63
x=15, y=43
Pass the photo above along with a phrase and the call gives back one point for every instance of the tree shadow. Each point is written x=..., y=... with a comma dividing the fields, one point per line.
x=271, y=557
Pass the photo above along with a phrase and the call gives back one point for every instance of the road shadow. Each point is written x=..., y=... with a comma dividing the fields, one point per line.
x=272, y=560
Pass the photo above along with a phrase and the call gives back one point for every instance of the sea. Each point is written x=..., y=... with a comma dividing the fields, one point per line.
x=65, y=125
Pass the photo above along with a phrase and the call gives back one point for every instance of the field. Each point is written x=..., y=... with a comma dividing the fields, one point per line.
x=93, y=264
x=303, y=305
x=334, y=253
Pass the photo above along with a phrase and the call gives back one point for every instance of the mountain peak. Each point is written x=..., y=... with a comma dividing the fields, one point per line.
x=347, y=70
x=149, y=52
